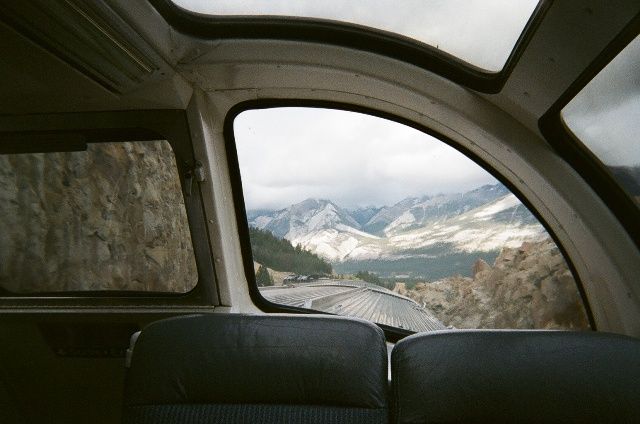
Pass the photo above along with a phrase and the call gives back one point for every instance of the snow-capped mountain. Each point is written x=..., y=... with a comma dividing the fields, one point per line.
x=308, y=216
x=362, y=215
x=482, y=220
x=504, y=222
x=416, y=212
x=318, y=225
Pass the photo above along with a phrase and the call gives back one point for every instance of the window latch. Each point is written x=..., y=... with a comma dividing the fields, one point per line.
x=196, y=173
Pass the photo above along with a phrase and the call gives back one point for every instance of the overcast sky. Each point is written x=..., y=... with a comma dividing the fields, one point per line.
x=289, y=154
x=605, y=115
x=482, y=32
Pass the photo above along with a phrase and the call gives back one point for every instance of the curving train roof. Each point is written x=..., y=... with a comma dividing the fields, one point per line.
x=356, y=298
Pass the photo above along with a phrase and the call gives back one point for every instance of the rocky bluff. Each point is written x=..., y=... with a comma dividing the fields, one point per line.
x=527, y=287
x=108, y=218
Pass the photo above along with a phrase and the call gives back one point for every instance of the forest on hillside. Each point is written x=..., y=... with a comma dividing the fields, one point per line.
x=278, y=254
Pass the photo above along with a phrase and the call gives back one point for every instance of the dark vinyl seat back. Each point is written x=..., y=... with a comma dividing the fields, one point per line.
x=516, y=376
x=9, y=410
x=229, y=368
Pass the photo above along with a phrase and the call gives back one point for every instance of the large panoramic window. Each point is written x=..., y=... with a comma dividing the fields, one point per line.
x=360, y=216
x=480, y=32
x=605, y=117
x=105, y=217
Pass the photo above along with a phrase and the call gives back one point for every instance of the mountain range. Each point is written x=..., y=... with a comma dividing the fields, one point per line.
x=412, y=237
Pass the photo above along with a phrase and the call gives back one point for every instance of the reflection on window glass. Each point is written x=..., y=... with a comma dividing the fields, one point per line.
x=605, y=116
x=356, y=215
x=481, y=32
x=108, y=218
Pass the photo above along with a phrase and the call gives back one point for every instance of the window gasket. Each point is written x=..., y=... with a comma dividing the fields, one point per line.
x=120, y=126
x=392, y=334
x=578, y=155
x=354, y=36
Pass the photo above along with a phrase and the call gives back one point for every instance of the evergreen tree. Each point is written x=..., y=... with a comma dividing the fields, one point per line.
x=369, y=277
x=263, y=278
x=280, y=255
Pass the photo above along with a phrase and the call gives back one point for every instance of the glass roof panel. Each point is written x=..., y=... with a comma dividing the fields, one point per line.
x=480, y=32
x=605, y=116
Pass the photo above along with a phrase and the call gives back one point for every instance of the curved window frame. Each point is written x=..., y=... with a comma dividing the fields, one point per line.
x=392, y=334
x=352, y=36
x=578, y=155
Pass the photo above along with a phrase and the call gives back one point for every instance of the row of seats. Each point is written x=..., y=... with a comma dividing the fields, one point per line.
x=228, y=368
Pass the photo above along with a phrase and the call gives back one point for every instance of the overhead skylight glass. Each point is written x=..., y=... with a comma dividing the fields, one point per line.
x=605, y=116
x=480, y=32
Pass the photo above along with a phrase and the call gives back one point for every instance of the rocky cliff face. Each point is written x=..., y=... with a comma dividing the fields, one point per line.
x=110, y=218
x=527, y=287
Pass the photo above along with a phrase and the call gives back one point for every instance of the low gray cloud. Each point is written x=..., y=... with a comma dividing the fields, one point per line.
x=289, y=154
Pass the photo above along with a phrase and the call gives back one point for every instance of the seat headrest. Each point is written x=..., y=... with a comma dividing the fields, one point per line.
x=257, y=359
x=516, y=376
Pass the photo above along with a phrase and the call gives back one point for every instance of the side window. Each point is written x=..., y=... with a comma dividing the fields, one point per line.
x=107, y=217
x=604, y=117
x=360, y=216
